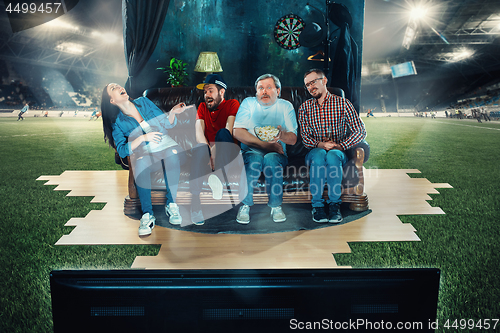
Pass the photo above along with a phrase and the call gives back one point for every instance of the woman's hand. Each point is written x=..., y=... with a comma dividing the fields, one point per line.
x=179, y=108
x=149, y=137
x=152, y=137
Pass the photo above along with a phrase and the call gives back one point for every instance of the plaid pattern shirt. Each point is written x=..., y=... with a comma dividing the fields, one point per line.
x=335, y=120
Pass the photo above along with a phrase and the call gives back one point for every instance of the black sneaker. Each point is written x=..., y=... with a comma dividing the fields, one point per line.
x=319, y=215
x=334, y=215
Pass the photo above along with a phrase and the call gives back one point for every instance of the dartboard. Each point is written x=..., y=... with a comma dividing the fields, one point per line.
x=287, y=31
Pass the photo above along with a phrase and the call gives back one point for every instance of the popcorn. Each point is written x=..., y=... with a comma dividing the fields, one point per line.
x=266, y=133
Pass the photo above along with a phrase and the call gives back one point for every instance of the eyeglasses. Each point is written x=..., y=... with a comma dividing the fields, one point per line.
x=313, y=82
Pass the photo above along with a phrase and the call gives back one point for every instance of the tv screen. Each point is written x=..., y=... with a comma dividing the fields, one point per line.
x=404, y=69
x=244, y=300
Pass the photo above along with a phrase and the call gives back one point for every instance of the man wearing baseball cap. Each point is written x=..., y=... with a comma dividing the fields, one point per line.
x=214, y=125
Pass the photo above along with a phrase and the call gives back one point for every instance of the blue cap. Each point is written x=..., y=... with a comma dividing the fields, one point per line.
x=213, y=79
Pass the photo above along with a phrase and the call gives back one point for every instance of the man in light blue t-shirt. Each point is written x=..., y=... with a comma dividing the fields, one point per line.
x=266, y=109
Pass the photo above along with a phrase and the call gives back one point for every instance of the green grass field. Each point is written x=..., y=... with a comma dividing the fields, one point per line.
x=463, y=243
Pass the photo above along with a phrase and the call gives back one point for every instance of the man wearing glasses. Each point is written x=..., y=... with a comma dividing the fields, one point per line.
x=265, y=112
x=329, y=126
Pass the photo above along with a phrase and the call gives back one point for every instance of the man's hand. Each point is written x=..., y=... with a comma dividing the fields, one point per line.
x=284, y=136
x=274, y=147
x=212, y=157
x=329, y=145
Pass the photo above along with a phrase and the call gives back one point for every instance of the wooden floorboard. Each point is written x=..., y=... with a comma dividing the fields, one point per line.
x=390, y=193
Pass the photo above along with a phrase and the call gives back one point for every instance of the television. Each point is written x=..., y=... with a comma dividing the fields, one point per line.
x=277, y=300
x=403, y=69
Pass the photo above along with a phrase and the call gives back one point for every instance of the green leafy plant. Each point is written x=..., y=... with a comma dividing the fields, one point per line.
x=176, y=72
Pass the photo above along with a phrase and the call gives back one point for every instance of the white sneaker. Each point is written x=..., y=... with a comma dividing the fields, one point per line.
x=147, y=224
x=216, y=186
x=243, y=216
x=172, y=211
x=277, y=214
x=197, y=217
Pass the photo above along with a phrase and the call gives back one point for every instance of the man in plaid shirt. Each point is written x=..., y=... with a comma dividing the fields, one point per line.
x=329, y=126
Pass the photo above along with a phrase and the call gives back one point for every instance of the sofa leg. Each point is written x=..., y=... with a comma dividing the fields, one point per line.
x=131, y=206
x=358, y=207
x=358, y=203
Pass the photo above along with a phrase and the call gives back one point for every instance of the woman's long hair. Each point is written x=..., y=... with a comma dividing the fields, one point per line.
x=109, y=113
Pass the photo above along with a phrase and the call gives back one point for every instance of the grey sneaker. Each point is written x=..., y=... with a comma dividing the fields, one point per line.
x=243, y=216
x=172, y=211
x=216, y=186
x=147, y=224
x=277, y=214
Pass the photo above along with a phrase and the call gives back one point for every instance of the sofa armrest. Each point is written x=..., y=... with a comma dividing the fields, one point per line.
x=359, y=157
x=132, y=190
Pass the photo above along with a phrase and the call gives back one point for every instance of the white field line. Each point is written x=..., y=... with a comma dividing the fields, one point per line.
x=445, y=122
x=48, y=134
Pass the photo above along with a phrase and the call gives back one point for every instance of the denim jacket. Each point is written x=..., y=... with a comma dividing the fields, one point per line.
x=126, y=129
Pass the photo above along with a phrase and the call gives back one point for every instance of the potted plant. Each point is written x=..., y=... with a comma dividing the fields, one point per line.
x=176, y=72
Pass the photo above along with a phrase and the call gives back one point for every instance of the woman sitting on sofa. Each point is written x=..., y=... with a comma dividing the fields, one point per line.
x=139, y=129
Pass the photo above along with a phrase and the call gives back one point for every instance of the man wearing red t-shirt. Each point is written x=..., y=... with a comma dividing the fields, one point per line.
x=214, y=125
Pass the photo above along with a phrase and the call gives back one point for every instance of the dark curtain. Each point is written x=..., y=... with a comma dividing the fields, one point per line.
x=344, y=73
x=142, y=23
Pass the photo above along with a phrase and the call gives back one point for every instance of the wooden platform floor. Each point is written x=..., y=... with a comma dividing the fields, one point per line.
x=390, y=192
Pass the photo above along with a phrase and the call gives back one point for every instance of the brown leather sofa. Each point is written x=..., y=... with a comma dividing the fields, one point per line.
x=296, y=178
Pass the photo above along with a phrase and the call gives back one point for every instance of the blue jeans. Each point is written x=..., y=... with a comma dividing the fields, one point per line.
x=226, y=151
x=272, y=164
x=325, y=165
x=172, y=161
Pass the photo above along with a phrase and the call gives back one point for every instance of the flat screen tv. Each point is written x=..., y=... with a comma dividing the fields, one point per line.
x=259, y=301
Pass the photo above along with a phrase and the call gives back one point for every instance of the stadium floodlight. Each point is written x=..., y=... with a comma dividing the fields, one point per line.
x=73, y=48
x=110, y=37
x=107, y=37
x=58, y=24
x=411, y=32
x=419, y=13
x=461, y=54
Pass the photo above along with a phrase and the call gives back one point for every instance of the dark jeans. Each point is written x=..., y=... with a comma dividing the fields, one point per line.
x=225, y=151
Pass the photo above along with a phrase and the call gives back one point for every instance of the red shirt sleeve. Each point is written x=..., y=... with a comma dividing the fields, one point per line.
x=233, y=106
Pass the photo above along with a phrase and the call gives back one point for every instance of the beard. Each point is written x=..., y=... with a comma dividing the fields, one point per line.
x=213, y=103
x=316, y=93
